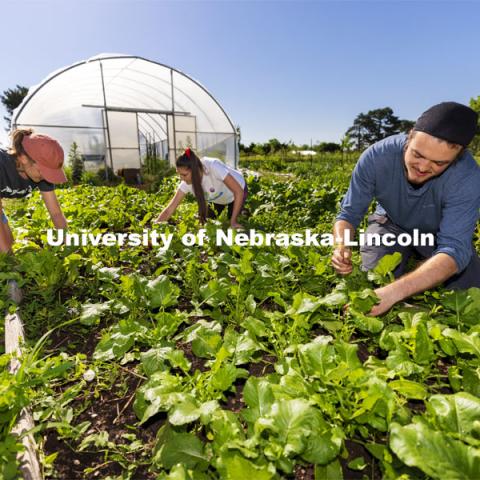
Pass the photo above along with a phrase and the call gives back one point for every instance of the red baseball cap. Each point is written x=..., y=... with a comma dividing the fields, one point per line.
x=47, y=154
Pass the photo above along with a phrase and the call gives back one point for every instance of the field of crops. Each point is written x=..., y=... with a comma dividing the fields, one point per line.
x=231, y=362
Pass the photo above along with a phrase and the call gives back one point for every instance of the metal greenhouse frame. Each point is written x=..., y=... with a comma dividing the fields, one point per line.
x=121, y=110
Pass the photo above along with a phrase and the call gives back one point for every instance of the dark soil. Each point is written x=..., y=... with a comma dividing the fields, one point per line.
x=235, y=401
x=416, y=406
x=271, y=306
x=197, y=363
x=263, y=367
x=318, y=330
x=111, y=413
x=75, y=341
x=304, y=473
x=355, y=450
x=364, y=351
x=442, y=366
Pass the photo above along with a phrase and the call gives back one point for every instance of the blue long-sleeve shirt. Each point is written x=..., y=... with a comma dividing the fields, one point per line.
x=447, y=205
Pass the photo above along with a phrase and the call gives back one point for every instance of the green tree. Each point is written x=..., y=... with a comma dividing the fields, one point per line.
x=76, y=163
x=346, y=146
x=11, y=99
x=375, y=125
x=261, y=149
x=405, y=126
x=346, y=143
x=327, y=147
x=273, y=145
x=248, y=149
x=475, y=145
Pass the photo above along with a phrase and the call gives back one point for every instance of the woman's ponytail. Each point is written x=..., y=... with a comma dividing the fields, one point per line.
x=17, y=138
x=190, y=160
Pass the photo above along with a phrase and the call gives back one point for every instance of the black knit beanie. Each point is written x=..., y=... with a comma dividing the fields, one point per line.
x=450, y=121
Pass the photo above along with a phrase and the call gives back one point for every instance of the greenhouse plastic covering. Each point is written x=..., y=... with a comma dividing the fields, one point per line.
x=118, y=108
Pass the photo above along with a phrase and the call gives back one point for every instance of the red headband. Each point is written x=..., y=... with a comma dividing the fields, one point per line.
x=187, y=152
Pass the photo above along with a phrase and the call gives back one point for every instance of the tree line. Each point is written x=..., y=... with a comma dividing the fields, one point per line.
x=367, y=129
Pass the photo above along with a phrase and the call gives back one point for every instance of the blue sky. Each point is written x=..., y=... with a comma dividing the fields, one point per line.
x=294, y=70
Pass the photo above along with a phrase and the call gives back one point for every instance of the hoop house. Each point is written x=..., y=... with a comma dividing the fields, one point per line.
x=121, y=110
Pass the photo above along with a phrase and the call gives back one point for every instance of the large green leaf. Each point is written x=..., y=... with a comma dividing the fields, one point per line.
x=119, y=340
x=458, y=413
x=223, y=377
x=241, y=345
x=173, y=447
x=347, y=352
x=317, y=358
x=400, y=363
x=215, y=292
x=299, y=428
x=225, y=427
x=362, y=301
x=157, y=359
x=205, y=337
x=162, y=391
x=466, y=343
x=377, y=404
x=303, y=303
x=91, y=312
x=465, y=304
x=424, y=353
x=180, y=472
x=168, y=323
x=470, y=377
x=161, y=292
x=435, y=453
x=322, y=448
x=235, y=467
x=383, y=271
x=255, y=327
x=471, y=313
x=185, y=412
x=153, y=360
x=332, y=471
x=409, y=389
x=334, y=299
x=365, y=323
x=258, y=396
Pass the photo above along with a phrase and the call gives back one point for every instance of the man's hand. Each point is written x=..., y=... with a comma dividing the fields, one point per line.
x=342, y=260
x=429, y=274
x=342, y=255
x=388, y=298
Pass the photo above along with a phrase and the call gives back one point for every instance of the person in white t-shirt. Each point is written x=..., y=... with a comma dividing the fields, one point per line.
x=214, y=184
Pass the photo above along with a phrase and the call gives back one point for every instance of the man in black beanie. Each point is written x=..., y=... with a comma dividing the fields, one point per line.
x=426, y=182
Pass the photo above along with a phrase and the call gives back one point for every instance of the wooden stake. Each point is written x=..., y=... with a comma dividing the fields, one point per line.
x=28, y=459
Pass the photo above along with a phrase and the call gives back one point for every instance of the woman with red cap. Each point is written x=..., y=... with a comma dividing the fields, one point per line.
x=214, y=184
x=33, y=161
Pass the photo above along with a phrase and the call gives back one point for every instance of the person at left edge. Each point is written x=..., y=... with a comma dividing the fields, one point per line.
x=33, y=161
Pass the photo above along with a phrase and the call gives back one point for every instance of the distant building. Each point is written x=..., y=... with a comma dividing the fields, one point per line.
x=304, y=152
